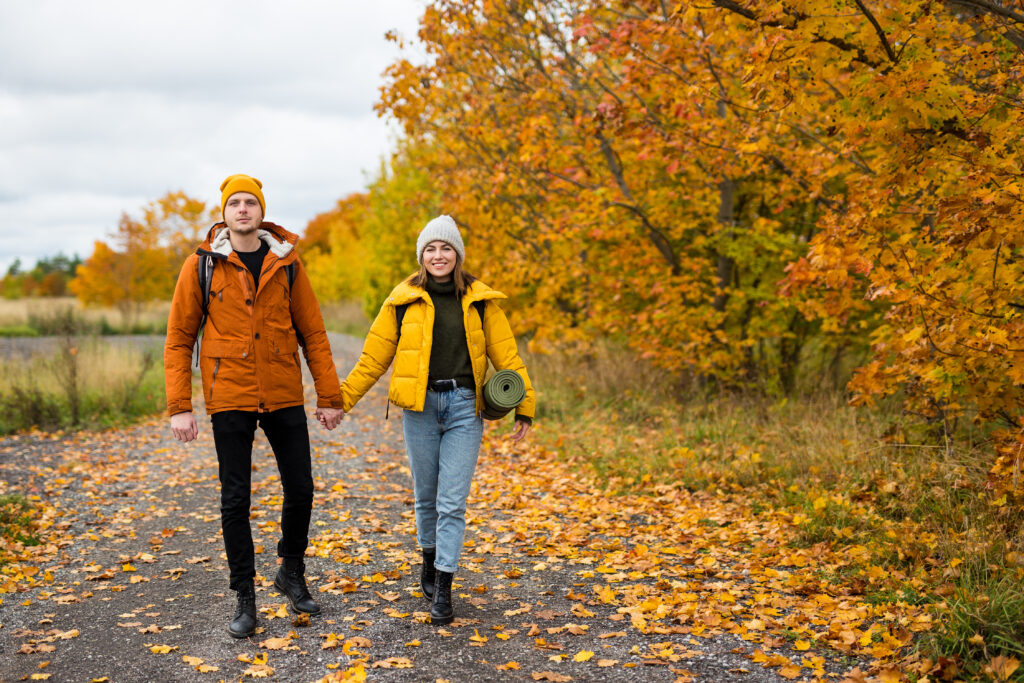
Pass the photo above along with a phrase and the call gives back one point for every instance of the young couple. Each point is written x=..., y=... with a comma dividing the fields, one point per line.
x=247, y=290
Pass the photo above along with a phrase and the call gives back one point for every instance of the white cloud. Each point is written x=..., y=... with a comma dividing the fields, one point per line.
x=107, y=105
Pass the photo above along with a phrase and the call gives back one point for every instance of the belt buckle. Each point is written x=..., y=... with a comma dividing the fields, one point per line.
x=442, y=385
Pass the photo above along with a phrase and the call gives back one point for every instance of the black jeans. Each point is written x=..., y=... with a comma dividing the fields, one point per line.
x=233, y=434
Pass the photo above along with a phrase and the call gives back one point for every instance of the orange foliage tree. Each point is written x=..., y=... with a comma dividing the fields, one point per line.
x=142, y=260
x=725, y=181
x=598, y=155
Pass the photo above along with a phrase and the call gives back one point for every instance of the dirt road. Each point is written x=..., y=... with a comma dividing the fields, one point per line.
x=132, y=584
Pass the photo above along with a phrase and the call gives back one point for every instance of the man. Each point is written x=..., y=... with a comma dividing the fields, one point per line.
x=260, y=308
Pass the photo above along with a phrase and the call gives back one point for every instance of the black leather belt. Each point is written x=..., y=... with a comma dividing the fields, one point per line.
x=441, y=385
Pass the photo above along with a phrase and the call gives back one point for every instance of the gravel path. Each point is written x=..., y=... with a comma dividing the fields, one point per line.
x=134, y=586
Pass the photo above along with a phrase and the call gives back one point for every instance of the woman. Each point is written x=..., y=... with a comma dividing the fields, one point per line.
x=440, y=326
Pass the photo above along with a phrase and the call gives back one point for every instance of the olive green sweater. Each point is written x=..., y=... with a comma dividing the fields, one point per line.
x=449, y=355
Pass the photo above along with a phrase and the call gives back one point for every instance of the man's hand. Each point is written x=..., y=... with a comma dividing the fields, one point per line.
x=521, y=430
x=329, y=418
x=183, y=426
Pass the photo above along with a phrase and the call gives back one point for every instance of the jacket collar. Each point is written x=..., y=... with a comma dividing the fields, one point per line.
x=280, y=241
x=406, y=293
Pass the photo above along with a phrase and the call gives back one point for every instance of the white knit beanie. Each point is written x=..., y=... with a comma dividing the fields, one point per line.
x=441, y=228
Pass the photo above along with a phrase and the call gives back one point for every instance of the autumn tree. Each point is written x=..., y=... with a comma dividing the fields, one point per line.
x=600, y=158
x=48, y=277
x=141, y=262
x=366, y=244
x=722, y=183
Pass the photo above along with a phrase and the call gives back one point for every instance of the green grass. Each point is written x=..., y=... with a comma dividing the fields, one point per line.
x=16, y=521
x=983, y=618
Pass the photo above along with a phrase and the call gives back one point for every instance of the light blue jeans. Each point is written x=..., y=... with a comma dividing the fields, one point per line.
x=443, y=442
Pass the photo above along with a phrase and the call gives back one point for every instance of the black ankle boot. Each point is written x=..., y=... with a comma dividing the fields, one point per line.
x=427, y=573
x=244, y=623
x=441, y=611
x=291, y=580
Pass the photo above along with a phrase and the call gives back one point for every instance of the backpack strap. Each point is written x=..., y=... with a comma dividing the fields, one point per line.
x=400, y=310
x=290, y=271
x=205, y=275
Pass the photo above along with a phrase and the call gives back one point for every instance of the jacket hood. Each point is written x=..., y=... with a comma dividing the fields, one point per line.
x=406, y=293
x=280, y=241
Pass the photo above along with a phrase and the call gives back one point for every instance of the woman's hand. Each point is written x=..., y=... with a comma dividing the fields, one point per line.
x=521, y=430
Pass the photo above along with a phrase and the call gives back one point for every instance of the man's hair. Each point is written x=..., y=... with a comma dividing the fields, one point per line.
x=461, y=278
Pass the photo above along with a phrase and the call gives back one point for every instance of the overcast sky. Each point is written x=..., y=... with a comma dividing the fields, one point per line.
x=106, y=105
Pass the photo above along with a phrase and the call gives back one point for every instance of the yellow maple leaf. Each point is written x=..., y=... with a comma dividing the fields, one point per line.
x=790, y=672
x=259, y=671
x=1002, y=668
x=275, y=643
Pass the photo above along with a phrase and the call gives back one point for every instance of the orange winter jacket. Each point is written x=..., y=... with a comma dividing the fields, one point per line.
x=248, y=355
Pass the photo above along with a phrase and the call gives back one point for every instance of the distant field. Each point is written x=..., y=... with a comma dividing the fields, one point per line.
x=43, y=315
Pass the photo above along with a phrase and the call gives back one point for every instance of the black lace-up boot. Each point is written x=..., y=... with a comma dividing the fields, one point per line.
x=427, y=573
x=441, y=611
x=244, y=623
x=291, y=581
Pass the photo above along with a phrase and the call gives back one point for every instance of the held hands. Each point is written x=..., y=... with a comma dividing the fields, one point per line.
x=183, y=426
x=329, y=418
x=521, y=429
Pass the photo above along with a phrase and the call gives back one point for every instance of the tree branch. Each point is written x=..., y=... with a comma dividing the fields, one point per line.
x=878, y=29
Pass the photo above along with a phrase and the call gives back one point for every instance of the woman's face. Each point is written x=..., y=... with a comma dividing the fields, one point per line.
x=439, y=260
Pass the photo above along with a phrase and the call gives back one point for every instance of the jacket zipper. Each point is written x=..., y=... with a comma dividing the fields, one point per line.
x=213, y=379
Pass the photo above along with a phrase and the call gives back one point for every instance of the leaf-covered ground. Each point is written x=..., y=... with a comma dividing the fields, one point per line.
x=561, y=580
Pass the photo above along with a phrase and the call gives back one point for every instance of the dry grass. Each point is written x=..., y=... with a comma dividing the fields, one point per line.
x=36, y=312
x=86, y=382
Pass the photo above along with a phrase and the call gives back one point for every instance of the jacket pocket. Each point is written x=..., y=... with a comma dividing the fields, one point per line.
x=214, y=353
x=286, y=342
x=225, y=348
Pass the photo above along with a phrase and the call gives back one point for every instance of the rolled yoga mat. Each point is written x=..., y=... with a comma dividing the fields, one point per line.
x=503, y=392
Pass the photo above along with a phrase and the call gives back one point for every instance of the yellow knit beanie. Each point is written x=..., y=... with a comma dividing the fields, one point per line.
x=241, y=183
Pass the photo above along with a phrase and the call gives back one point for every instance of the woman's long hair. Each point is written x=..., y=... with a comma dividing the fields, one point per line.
x=461, y=278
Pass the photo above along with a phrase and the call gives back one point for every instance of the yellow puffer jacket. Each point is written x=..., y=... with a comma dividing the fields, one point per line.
x=490, y=338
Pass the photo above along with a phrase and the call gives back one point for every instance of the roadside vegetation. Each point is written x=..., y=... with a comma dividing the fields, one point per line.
x=917, y=502
x=48, y=316
x=84, y=383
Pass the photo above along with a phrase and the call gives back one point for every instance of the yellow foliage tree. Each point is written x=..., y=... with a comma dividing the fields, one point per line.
x=141, y=262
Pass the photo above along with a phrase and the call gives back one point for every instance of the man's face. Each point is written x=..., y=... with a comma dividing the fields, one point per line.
x=242, y=213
